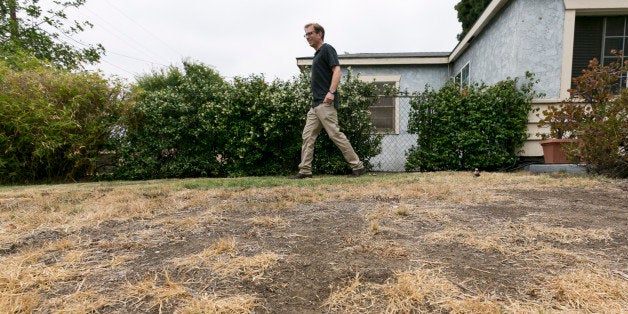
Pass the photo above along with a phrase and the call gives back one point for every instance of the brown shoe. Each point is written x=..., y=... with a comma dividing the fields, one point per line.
x=301, y=176
x=357, y=173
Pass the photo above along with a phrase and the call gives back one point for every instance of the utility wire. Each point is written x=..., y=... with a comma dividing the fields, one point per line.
x=112, y=52
x=133, y=43
x=119, y=68
x=143, y=28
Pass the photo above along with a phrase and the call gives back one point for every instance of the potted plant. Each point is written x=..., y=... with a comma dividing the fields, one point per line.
x=563, y=121
x=594, y=88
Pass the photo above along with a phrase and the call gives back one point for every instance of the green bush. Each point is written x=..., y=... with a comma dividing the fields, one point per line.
x=595, y=115
x=53, y=123
x=261, y=122
x=174, y=128
x=192, y=123
x=266, y=120
x=605, y=138
x=479, y=127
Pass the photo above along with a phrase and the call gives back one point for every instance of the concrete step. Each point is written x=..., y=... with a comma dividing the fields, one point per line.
x=565, y=168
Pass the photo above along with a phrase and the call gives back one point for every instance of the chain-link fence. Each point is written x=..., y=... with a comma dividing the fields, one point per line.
x=398, y=141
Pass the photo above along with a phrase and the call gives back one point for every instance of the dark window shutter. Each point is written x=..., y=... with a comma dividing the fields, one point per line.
x=587, y=42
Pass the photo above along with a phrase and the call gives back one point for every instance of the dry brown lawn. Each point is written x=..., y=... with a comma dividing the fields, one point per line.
x=382, y=243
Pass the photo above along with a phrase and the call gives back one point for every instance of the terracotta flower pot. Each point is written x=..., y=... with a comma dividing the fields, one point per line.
x=553, y=152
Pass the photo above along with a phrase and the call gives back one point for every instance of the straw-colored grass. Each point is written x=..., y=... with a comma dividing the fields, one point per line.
x=590, y=290
x=513, y=238
x=246, y=267
x=222, y=246
x=413, y=291
x=156, y=291
x=113, y=247
x=222, y=305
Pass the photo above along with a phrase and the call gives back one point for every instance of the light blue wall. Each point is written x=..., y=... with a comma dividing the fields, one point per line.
x=413, y=78
x=527, y=35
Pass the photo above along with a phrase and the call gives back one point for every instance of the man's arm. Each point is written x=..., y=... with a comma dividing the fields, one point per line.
x=335, y=81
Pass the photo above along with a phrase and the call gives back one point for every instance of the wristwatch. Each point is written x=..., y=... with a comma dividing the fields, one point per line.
x=333, y=92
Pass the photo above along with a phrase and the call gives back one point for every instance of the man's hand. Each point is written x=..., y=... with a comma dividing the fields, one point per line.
x=329, y=98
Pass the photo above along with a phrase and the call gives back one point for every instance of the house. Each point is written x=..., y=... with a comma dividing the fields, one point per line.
x=554, y=39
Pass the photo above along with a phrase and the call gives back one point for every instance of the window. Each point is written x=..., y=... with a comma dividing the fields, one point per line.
x=596, y=37
x=462, y=78
x=385, y=112
x=615, y=39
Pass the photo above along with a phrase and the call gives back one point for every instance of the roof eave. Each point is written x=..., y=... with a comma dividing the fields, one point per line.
x=302, y=62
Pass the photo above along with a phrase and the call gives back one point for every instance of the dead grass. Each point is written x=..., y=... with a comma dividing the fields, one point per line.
x=269, y=221
x=414, y=291
x=514, y=238
x=155, y=292
x=222, y=305
x=246, y=267
x=398, y=243
x=590, y=290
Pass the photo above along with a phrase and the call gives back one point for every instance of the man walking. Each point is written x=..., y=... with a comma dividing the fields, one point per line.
x=323, y=113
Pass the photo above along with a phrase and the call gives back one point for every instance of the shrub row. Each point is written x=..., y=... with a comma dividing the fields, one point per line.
x=190, y=122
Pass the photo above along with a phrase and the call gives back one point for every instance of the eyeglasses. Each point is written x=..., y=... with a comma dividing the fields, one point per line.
x=308, y=34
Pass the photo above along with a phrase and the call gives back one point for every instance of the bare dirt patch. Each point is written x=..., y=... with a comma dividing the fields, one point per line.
x=432, y=242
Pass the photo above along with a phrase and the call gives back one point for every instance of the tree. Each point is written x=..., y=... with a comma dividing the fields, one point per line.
x=26, y=28
x=468, y=12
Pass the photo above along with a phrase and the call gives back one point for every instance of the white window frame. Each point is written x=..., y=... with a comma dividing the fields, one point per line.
x=395, y=79
x=624, y=37
x=460, y=79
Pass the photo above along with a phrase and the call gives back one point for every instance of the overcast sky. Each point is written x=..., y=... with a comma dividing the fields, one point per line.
x=243, y=37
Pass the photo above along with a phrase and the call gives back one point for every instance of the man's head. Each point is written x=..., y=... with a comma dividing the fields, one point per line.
x=314, y=34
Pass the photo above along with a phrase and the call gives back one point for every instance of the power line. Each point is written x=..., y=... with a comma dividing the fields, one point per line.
x=133, y=43
x=103, y=58
x=119, y=54
x=119, y=68
x=143, y=28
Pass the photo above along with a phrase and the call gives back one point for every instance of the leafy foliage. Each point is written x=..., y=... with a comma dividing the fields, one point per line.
x=478, y=127
x=605, y=138
x=563, y=120
x=174, y=127
x=596, y=116
x=26, y=28
x=262, y=124
x=193, y=123
x=468, y=12
x=53, y=123
x=593, y=89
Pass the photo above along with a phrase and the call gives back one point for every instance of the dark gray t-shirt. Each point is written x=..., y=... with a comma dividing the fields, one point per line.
x=325, y=58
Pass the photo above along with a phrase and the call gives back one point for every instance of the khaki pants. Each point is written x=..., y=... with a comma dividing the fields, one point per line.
x=325, y=116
